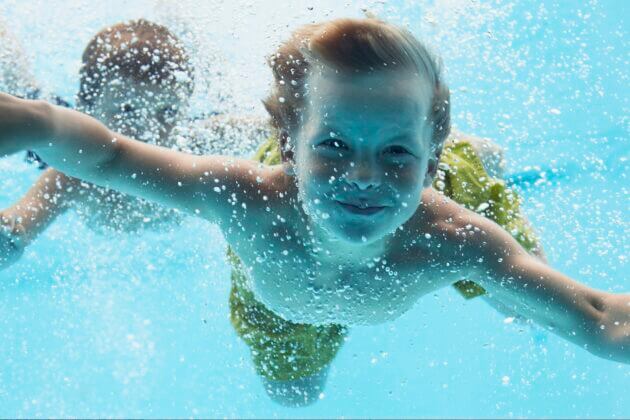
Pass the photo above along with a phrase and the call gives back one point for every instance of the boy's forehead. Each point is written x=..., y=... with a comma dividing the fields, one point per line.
x=398, y=97
x=389, y=92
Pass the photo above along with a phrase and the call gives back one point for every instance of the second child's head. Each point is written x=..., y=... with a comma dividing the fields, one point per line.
x=362, y=114
x=136, y=78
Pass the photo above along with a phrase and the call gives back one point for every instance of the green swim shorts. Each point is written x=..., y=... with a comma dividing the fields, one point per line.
x=284, y=350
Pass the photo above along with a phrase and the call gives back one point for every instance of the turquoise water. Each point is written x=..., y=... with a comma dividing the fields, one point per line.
x=137, y=325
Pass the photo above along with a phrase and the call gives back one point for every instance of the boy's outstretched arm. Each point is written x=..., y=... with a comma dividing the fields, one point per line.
x=27, y=218
x=82, y=147
x=595, y=320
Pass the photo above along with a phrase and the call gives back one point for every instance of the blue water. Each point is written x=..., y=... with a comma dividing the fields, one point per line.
x=137, y=326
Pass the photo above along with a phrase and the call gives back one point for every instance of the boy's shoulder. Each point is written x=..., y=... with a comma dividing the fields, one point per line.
x=466, y=239
x=266, y=195
x=454, y=232
x=438, y=214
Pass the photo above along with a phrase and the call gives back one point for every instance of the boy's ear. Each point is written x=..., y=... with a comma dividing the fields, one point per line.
x=432, y=166
x=431, y=171
x=286, y=153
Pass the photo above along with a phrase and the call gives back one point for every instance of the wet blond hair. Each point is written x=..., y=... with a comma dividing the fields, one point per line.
x=351, y=46
x=139, y=49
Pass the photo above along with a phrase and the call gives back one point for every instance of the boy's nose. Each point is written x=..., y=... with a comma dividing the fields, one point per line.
x=363, y=176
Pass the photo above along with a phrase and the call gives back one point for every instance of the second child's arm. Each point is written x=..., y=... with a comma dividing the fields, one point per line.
x=82, y=147
x=47, y=199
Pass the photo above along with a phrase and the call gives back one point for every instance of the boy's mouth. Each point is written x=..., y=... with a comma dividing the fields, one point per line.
x=361, y=209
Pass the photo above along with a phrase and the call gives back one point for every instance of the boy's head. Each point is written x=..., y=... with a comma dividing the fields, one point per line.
x=136, y=76
x=362, y=113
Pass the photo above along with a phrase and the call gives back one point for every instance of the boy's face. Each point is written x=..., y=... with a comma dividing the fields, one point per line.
x=363, y=153
x=139, y=109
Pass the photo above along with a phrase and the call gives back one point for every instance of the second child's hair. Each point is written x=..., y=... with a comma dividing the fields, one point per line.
x=360, y=46
x=138, y=49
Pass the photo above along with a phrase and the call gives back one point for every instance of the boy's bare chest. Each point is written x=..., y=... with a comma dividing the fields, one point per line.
x=295, y=280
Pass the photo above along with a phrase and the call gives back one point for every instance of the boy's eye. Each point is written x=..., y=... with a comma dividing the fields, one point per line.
x=398, y=150
x=334, y=144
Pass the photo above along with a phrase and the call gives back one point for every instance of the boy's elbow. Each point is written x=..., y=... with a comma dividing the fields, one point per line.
x=109, y=160
x=80, y=143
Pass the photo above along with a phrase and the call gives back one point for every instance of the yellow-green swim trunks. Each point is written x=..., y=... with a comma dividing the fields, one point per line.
x=283, y=350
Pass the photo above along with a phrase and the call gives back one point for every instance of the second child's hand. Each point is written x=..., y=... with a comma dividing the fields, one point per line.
x=10, y=247
x=16, y=127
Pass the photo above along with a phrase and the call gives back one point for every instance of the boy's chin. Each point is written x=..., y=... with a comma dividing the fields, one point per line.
x=348, y=231
x=350, y=235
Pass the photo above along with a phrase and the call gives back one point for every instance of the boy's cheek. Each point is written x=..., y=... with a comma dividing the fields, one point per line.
x=408, y=177
x=320, y=171
x=315, y=189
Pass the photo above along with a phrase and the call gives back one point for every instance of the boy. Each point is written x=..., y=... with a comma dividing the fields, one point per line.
x=347, y=228
x=136, y=77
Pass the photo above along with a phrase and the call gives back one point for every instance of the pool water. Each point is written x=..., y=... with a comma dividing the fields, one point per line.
x=137, y=325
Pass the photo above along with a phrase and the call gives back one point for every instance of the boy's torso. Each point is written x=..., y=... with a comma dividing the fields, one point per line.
x=302, y=283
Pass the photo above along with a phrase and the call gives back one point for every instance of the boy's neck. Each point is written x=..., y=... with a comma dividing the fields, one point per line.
x=326, y=247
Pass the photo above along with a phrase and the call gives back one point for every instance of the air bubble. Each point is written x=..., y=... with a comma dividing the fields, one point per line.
x=482, y=207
